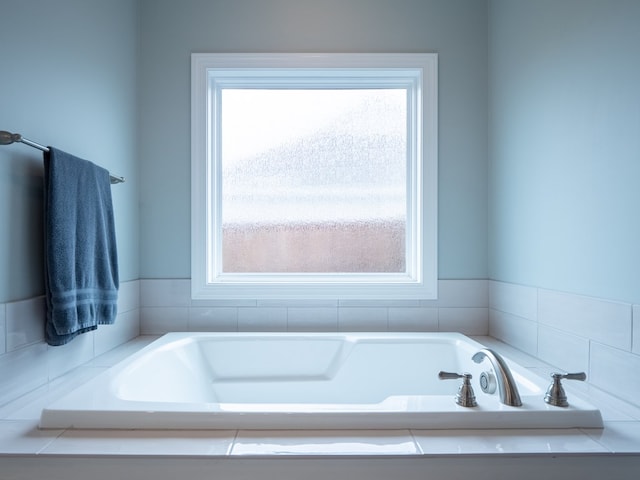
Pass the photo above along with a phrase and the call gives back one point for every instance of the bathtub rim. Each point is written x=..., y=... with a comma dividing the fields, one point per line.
x=60, y=414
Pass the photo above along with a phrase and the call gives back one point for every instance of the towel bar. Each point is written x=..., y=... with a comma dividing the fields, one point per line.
x=7, y=138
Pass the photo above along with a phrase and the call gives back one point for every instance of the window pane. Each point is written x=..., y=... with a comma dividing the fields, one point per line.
x=314, y=180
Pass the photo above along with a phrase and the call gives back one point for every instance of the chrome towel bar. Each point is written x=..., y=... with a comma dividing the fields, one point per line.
x=7, y=138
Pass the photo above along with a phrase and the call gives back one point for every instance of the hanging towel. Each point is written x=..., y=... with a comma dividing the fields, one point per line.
x=81, y=264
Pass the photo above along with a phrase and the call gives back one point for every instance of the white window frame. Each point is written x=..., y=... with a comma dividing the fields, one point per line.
x=210, y=71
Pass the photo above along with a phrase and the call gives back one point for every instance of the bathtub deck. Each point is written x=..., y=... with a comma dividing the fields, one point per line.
x=354, y=381
x=26, y=451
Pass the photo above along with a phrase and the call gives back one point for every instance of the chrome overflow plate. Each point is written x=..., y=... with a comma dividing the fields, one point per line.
x=488, y=382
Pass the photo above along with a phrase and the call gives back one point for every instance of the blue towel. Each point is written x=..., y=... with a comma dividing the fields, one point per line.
x=81, y=264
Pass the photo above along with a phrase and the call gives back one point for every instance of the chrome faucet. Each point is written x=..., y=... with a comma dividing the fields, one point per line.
x=555, y=393
x=506, y=384
x=465, y=396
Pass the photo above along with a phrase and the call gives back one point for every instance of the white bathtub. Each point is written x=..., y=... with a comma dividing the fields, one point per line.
x=305, y=381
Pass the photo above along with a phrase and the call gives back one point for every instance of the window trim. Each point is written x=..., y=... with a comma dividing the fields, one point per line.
x=297, y=286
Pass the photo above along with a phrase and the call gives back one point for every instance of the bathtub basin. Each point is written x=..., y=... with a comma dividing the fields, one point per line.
x=305, y=381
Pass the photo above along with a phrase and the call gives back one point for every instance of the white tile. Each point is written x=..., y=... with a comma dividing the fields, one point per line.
x=469, y=321
x=636, y=329
x=121, y=352
x=30, y=405
x=613, y=409
x=362, y=319
x=600, y=320
x=372, y=302
x=517, y=355
x=142, y=442
x=232, y=302
x=312, y=319
x=21, y=408
x=25, y=322
x=24, y=437
x=413, y=319
x=618, y=437
x=22, y=371
x=125, y=328
x=213, y=319
x=129, y=296
x=516, y=331
x=616, y=372
x=519, y=441
x=262, y=319
x=165, y=293
x=568, y=352
x=518, y=300
x=317, y=302
x=362, y=442
x=3, y=327
x=460, y=293
x=160, y=320
x=71, y=355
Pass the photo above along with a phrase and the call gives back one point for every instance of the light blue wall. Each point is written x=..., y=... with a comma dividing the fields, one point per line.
x=68, y=79
x=565, y=145
x=564, y=119
x=170, y=31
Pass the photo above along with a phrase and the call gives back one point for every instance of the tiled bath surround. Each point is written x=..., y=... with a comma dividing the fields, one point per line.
x=27, y=452
x=573, y=332
x=27, y=362
x=37, y=369
x=462, y=306
x=154, y=307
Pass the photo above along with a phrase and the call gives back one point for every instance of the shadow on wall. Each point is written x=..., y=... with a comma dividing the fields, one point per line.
x=24, y=230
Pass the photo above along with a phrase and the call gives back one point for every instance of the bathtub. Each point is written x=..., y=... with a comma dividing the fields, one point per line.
x=305, y=381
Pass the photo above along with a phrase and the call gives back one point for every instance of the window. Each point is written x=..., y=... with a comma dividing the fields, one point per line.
x=314, y=176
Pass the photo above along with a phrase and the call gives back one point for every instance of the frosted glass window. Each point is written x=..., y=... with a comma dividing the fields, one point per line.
x=314, y=176
x=314, y=180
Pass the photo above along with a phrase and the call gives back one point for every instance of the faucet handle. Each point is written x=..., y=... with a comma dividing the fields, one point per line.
x=452, y=375
x=465, y=396
x=570, y=376
x=555, y=393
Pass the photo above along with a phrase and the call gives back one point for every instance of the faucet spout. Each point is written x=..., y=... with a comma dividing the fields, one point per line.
x=506, y=384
